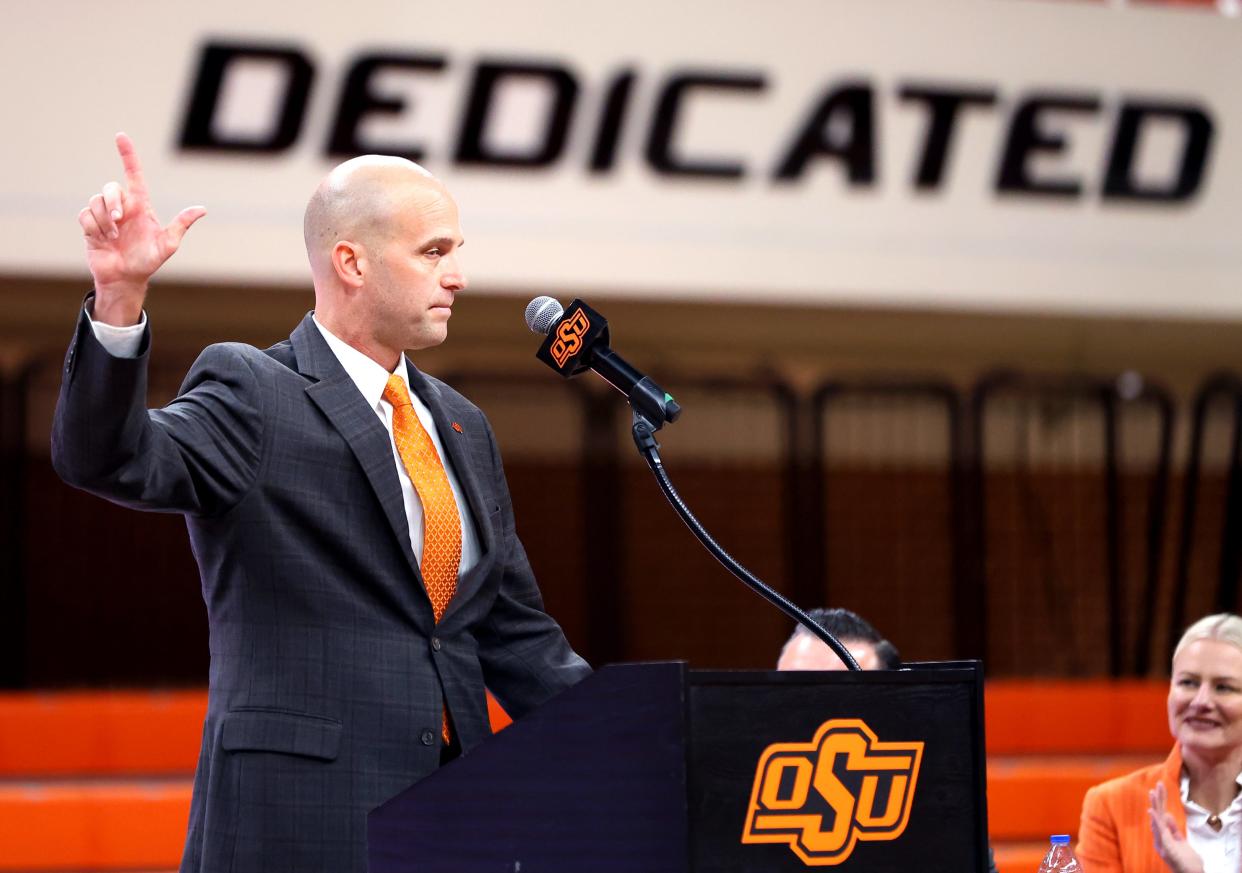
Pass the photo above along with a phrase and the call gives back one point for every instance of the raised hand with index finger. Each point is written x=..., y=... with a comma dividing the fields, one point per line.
x=125, y=242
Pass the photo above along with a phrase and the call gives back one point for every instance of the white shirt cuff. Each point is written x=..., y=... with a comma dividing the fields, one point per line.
x=120, y=342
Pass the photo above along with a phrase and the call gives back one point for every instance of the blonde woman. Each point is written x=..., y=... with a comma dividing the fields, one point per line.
x=1184, y=815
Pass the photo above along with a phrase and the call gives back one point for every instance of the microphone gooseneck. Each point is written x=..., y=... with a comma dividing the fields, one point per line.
x=644, y=439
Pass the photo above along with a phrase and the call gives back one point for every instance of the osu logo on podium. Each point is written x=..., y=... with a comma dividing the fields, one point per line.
x=569, y=336
x=823, y=796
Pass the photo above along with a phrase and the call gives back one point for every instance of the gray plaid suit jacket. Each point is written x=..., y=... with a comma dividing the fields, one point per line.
x=327, y=667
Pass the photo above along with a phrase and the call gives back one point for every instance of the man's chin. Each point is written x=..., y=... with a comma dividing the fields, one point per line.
x=427, y=339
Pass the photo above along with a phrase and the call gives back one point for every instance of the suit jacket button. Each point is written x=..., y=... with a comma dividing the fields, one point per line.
x=435, y=644
x=428, y=738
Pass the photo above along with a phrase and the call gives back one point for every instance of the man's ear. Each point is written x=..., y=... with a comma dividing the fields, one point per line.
x=349, y=260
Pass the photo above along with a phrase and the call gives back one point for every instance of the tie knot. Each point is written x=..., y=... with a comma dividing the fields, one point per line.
x=396, y=393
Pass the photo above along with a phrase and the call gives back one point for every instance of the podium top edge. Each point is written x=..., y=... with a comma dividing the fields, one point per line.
x=912, y=673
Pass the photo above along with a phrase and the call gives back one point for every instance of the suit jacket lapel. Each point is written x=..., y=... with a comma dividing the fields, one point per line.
x=338, y=398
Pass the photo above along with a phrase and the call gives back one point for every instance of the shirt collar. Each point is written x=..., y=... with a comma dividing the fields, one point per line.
x=1184, y=783
x=370, y=377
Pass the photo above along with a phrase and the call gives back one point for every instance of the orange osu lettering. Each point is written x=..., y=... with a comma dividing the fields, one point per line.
x=569, y=336
x=822, y=797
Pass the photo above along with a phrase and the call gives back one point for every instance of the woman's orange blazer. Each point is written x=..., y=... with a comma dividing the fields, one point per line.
x=1115, y=835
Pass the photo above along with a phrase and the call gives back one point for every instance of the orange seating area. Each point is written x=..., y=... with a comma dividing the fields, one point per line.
x=1048, y=742
x=101, y=781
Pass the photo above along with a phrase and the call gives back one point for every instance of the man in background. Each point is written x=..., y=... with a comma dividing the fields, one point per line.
x=803, y=651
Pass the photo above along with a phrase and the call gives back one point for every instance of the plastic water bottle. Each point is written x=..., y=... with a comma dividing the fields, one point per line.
x=1060, y=857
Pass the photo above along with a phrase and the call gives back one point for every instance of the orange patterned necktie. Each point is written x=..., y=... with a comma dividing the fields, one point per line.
x=441, y=523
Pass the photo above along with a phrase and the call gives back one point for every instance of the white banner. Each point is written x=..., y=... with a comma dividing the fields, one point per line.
x=1000, y=154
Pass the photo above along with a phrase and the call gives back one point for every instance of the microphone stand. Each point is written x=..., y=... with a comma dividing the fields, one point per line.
x=580, y=342
x=643, y=431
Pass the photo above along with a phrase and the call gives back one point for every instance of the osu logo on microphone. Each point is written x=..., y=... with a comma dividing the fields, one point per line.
x=569, y=334
x=822, y=797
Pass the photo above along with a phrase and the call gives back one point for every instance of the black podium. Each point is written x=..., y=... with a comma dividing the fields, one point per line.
x=653, y=768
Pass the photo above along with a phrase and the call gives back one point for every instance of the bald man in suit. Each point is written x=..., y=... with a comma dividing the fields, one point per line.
x=339, y=673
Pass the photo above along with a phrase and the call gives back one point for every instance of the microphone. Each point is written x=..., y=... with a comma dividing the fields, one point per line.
x=577, y=340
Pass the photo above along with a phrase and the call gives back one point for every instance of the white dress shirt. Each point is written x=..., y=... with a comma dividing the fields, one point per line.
x=370, y=378
x=1219, y=850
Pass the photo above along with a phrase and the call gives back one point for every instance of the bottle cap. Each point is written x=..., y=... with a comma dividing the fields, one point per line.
x=1060, y=839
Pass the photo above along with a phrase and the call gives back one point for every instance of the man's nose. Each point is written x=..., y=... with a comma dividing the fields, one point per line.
x=453, y=277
